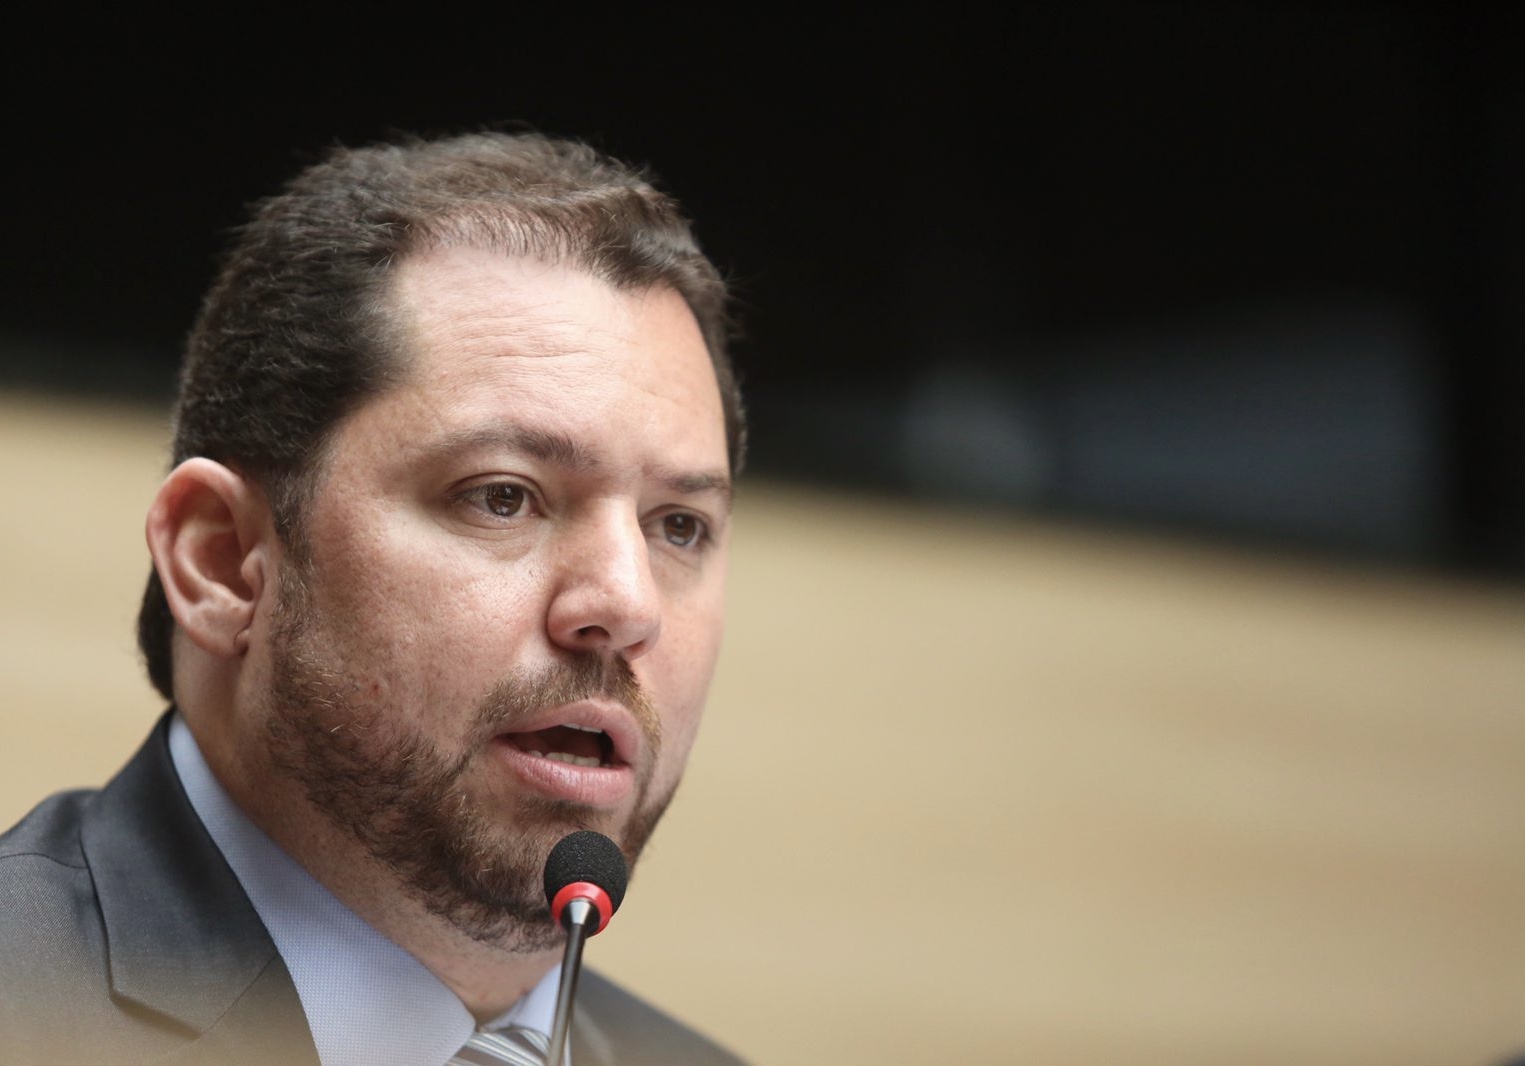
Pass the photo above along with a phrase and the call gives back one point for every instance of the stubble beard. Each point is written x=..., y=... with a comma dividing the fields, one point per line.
x=372, y=773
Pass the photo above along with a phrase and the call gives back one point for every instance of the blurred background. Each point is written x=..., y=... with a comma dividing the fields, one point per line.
x=1127, y=642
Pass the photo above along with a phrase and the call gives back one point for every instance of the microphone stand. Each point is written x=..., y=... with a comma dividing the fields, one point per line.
x=576, y=917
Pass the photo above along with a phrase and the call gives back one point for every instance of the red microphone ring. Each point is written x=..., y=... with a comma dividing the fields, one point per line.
x=583, y=890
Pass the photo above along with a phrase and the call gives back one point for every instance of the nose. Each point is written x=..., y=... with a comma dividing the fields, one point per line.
x=605, y=597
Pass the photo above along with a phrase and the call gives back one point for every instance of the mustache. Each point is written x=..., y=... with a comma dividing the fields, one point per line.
x=525, y=694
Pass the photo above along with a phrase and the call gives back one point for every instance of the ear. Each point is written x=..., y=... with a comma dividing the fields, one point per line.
x=210, y=534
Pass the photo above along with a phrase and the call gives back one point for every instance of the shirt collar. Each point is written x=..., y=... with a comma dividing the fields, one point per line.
x=368, y=1002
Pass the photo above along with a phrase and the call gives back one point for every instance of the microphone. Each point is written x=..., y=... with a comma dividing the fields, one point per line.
x=585, y=879
x=587, y=866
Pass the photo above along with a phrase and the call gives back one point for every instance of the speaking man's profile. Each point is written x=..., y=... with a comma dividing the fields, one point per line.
x=438, y=581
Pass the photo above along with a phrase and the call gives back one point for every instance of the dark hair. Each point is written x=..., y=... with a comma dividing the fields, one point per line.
x=295, y=331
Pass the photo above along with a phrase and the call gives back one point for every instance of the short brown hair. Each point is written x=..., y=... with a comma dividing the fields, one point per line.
x=293, y=333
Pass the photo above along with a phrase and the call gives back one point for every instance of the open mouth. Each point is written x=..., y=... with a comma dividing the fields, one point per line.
x=573, y=744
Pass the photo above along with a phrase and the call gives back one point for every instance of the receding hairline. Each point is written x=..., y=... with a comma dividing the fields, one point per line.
x=397, y=335
x=402, y=338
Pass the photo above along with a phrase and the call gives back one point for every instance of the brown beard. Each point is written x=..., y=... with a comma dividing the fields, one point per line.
x=381, y=780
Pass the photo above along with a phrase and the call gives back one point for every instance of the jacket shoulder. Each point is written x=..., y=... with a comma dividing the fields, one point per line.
x=50, y=831
x=51, y=940
x=48, y=914
x=617, y=1028
x=45, y=884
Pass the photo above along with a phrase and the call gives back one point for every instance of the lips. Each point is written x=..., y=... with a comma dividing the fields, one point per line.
x=574, y=744
x=582, y=753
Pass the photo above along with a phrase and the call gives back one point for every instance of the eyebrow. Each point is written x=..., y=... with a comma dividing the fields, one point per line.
x=553, y=446
x=697, y=484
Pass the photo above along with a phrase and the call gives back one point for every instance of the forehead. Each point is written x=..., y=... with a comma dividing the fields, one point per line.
x=446, y=300
x=488, y=340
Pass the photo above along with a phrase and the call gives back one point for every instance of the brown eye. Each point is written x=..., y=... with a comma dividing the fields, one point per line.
x=681, y=529
x=503, y=500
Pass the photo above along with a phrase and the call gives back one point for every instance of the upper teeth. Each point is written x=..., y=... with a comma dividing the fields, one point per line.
x=580, y=728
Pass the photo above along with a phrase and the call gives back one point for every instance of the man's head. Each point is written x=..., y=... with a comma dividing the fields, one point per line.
x=297, y=329
x=445, y=547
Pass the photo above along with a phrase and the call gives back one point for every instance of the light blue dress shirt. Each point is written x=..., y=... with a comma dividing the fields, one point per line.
x=368, y=1002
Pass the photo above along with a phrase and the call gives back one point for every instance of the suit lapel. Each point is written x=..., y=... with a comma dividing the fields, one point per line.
x=182, y=939
x=264, y=1026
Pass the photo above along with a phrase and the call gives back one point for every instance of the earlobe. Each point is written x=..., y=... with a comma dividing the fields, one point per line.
x=209, y=533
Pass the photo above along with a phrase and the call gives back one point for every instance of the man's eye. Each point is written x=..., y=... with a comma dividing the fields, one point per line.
x=502, y=500
x=684, y=530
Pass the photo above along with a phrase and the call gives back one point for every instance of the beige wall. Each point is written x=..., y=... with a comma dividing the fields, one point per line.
x=981, y=790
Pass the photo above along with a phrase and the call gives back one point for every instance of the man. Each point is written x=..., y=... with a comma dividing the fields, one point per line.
x=438, y=579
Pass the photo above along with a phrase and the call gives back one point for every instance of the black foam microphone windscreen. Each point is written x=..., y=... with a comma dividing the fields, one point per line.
x=591, y=857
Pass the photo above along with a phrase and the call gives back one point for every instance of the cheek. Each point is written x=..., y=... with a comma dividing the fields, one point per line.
x=687, y=664
x=421, y=625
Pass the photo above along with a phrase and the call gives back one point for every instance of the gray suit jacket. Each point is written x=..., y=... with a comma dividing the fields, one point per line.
x=125, y=937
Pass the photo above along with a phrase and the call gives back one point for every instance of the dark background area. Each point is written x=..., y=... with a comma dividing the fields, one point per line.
x=1242, y=270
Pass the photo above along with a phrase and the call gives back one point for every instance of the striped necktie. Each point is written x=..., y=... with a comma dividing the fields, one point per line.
x=518, y=1047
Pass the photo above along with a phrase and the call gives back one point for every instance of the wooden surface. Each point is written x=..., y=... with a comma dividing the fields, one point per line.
x=981, y=790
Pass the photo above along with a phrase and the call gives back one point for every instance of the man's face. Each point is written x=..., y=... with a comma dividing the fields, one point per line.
x=503, y=617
